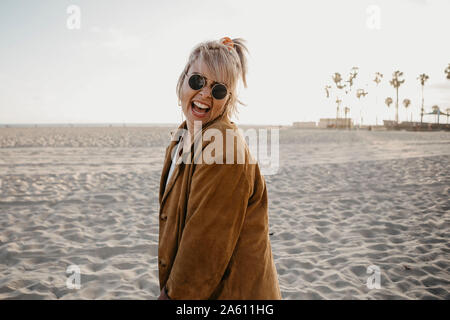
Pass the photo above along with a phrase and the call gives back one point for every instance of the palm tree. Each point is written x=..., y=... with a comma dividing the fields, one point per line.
x=437, y=111
x=338, y=102
x=347, y=110
x=422, y=78
x=388, y=101
x=360, y=93
x=406, y=103
x=396, y=83
x=378, y=77
x=353, y=74
x=377, y=80
x=337, y=78
x=447, y=71
x=327, y=90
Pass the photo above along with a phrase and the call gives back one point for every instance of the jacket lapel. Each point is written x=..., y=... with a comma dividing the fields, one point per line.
x=165, y=187
x=187, y=152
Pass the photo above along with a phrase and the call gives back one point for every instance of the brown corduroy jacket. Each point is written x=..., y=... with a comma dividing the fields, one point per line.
x=213, y=227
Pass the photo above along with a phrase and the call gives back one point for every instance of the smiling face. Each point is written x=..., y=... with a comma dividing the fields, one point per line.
x=199, y=105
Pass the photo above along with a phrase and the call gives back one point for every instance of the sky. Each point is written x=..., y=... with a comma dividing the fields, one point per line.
x=123, y=62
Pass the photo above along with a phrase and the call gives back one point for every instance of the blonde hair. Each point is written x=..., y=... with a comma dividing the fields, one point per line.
x=226, y=65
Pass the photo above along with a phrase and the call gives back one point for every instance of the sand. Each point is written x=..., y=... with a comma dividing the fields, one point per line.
x=340, y=202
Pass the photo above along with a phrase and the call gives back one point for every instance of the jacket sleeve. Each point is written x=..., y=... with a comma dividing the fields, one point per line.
x=215, y=214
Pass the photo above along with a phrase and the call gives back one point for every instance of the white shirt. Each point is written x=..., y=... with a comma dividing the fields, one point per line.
x=173, y=164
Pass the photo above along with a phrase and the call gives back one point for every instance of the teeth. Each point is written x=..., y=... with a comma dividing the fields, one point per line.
x=201, y=105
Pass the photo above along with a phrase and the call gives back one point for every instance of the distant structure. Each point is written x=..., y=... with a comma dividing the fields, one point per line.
x=305, y=125
x=331, y=123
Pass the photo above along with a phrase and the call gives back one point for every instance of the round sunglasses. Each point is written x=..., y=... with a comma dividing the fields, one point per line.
x=198, y=81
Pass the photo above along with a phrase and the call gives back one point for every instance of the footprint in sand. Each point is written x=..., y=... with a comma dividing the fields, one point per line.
x=103, y=199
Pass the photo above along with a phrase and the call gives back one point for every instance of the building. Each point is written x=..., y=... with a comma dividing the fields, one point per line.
x=305, y=125
x=331, y=123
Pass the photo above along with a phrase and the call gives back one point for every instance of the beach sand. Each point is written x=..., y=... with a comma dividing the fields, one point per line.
x=340, y=202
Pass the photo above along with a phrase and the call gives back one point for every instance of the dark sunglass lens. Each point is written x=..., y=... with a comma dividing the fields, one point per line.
x=219, y=91
x=196, y=82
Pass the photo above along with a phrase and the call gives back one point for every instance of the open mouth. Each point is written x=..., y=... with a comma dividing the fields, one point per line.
x=199, y=109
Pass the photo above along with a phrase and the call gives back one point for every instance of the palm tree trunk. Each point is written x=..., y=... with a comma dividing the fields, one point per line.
x=337, y=115
x=360, y=114
x=421, y=111
x=396, y=106
x=345, y=116
x=376, y=106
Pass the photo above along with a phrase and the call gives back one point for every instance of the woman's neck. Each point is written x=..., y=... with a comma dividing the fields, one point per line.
x=190, y=127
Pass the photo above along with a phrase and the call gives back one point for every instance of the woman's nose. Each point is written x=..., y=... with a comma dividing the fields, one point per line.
x=205, y=92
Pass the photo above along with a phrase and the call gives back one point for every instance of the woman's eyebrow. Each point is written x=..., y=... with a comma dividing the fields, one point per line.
x=213, y=81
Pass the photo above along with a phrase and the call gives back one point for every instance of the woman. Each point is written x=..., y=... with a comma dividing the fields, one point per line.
x=213, y=233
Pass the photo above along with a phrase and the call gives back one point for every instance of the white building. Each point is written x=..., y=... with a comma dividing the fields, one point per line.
x=331, y=123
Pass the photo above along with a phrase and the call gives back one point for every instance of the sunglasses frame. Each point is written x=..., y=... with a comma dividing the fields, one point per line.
x=206, y=83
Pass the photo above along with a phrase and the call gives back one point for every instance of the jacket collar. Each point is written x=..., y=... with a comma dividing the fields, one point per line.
x=163, y=188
